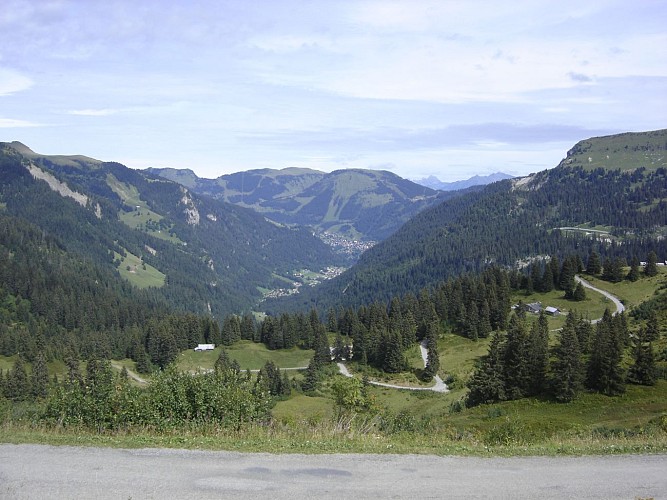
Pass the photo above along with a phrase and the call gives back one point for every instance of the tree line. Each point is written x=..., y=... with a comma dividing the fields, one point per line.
x=520, y=363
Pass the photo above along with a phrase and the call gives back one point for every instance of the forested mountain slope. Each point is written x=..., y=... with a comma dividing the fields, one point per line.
x=513, y=221
x=354, y=203
x=190, y=252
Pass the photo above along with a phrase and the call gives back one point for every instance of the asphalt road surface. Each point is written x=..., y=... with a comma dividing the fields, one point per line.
x=33, y=471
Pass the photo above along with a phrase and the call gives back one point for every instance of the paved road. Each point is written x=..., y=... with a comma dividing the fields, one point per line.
x=32, y=471
x=619, y=305
x=439, y=385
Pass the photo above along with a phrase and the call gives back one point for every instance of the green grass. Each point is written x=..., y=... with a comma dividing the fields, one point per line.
x=593, y=307
x=141, y=217
x=6, y=363
x=301, y=407
x=56, y=367
x=458, y=356
x=137, y=272
x=590, y=412
x=623, y=151
x=505, y=436
x=249, y=355
x=131, y=366
x=632, y=294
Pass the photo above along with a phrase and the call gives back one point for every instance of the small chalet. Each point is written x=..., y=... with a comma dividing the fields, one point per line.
x=552, y=311
x=534, y=307
x=205, y=347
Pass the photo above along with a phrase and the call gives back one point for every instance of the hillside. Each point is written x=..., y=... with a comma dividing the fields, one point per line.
x=622, y=151
x=513, y=221
x=357, y=204
x=192, y=252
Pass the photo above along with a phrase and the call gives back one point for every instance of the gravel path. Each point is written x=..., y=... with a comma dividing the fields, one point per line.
x=37, y=472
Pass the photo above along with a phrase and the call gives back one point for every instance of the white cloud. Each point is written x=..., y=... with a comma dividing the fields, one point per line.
x=420, y=85
x=93, y=112
x=12, y=123
x=12, y=81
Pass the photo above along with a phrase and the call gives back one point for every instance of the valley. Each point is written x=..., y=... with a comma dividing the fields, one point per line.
x=326, y=295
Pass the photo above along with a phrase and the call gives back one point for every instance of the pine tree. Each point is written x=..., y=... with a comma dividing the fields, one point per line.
x=39, y=379
x=339, y=348
x=584, y=330
x=432, y=355
x=270, y=379
x=248, y=327
x=322, y=348
x=17, y=385
x=74, y=376
x=593, y=265
x=332, y=321
x=471, y=326
x=644, y=370
x=555, y=270
x=143, y=362
x=226, y=363
x=516, y=376
x=534, y=281
x=604, y=373
x=652, y=327
x=547, y=281
x=231, y=330
x=607, y=270
x=633, y=274
x=566, y=279
x=651, y=267
x=567, y=374
x=487, y=383
x=538, y=354
x=579, y=294
x=484, y=326
x=394, y=361
x=312, y=377
x=408, y=329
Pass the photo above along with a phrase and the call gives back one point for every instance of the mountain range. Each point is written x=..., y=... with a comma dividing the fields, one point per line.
x=192, y=252
x=609, y=194
x=478, y=180
x=356, y=204
x=196, y=245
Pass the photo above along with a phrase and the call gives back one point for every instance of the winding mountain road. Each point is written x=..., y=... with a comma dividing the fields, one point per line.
x=439, y=386
x=619, y=305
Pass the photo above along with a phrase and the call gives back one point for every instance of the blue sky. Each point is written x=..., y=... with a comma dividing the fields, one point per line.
x=417, y=87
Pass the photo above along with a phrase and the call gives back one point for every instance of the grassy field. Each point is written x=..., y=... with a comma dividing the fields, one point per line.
x=624, y=151
x=249, y=355
x=141, y=217
x=137, y=272
x=632, y=294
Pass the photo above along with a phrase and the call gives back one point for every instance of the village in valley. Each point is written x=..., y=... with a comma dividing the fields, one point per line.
x=305, y=277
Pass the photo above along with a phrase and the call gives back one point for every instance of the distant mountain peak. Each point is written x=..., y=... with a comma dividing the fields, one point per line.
x=478, y=180
x=21, y=148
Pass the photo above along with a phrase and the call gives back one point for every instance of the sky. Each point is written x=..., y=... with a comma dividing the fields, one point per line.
x=417, y=87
